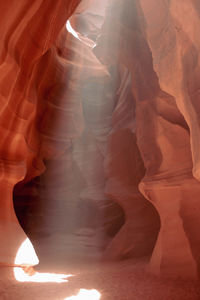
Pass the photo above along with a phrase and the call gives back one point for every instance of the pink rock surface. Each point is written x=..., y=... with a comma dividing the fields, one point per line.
x=152, y=39
x=119, y=120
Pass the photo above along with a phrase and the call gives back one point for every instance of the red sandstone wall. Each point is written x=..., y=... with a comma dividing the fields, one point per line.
x=159, y=48
x=28, y=32
x=125, y=114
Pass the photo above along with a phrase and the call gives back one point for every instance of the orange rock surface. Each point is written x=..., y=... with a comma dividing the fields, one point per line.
x=156, y=44
x=28, y=43
x=120, y=112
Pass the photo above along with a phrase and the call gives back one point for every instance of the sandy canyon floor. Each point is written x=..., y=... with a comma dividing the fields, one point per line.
x=125, y=280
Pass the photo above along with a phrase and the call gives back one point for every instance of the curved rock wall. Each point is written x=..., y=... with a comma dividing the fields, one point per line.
x=121, y=117
x=153, y=40
x=28, y=32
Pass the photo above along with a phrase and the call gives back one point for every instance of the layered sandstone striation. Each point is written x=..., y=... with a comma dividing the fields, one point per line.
x=160, y=50
x=110, y=116
x=28, y=35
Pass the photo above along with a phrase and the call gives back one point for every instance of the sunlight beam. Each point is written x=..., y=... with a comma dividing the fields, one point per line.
x=71, y=30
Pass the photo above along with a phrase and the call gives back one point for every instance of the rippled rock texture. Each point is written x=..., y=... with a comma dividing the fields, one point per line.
x=102, y=127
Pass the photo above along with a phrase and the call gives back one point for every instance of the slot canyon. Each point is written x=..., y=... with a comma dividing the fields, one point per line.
x=99, y=159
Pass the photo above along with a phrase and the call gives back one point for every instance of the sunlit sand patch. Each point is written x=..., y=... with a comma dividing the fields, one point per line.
x=85, y=295
x=21, y=276
x=25, y=259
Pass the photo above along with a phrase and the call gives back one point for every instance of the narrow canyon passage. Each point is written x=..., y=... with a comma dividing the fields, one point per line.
x=99, y=155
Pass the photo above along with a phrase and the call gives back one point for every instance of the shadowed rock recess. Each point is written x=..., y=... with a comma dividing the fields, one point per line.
x=100, y=131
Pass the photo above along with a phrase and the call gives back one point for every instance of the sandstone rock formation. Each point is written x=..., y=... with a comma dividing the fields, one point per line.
x=112, y=115
x=150, y=40
x=28, y=34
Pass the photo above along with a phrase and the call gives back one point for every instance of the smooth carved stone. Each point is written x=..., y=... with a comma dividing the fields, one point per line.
x=156, y=48
x=172, y=256
x=176, y=59
x=83, y=97
x=28, y=30
x=131, y=127
x=124, y=170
